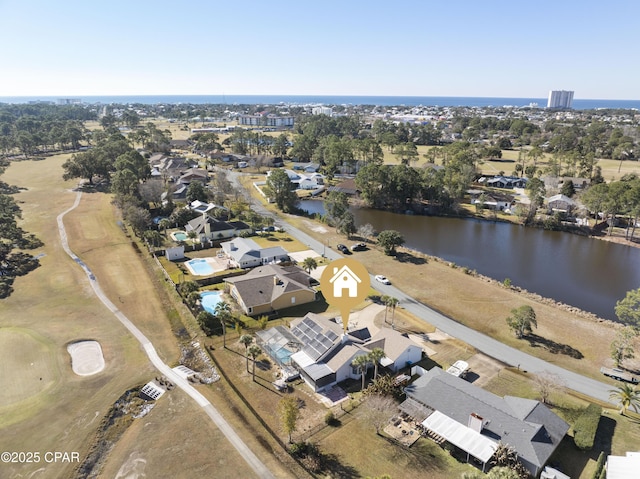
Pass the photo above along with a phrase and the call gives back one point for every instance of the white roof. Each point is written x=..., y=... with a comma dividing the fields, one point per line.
x=467, y=439
x=623, y=467
x=302, y=359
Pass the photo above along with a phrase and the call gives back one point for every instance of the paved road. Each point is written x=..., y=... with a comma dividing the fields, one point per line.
x=481, y=342
x=256, y=464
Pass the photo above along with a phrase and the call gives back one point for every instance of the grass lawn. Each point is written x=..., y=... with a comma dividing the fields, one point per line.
x=51, y=307
x=54, y=305
x=359, y=452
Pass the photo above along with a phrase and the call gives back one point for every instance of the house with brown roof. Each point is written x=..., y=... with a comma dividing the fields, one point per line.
x=270, y=288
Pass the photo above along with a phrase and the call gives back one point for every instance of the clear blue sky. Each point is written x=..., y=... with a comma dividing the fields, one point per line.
x=492, y=48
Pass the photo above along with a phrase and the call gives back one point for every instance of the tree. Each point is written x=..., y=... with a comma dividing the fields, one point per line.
x=280, y=145
x=289, y=414
x=627, y=396
x=375, y=356
x=505, y=456
x=85, y=165
x=392, y=302
x=197, y=191
x=568, y=189
x=223, y=313
x=390, y=240
x=309, y=264
x=522, y=320
x=622, y=346
x=246, y=340
x=628, y=308
x=280, y=189
x=378, y=410
x=545, y=383
x=13, y=239
x=347, y=224
x=361, y=364
x=366, y=231
x=336, y=204
x=254, y=351
x=206, y=321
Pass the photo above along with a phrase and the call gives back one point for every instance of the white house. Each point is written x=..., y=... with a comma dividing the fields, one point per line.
x=343, y=279
x=246, y=253
x=311, y=182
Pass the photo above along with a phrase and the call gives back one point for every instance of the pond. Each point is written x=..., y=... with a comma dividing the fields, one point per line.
x=584, y=272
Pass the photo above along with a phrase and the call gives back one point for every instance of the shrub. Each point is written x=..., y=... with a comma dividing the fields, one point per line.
x=330, y=419
x=584, y=430
x=262, y=321
x=599, y=466
x=507, y=283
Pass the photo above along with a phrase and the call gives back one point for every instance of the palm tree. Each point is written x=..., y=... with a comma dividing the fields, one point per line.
x=254, y=351
x=376, y=355
x=627, y=396
x=246, y=340
x=223, y=313
x=385, y=300
x=164, y=224
x=361, y=363
x=309, y=264
x=392, y=303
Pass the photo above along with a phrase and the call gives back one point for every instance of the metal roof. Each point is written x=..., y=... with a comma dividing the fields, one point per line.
x=467, y=439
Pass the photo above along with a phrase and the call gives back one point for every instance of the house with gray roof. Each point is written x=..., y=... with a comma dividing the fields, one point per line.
x=327, y=352
x=560, y=203
x=269, y=288
x=476, y=421
x=246, y=253
x=211, y=229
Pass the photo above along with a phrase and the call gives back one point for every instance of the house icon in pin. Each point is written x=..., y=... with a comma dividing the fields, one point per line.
x=342, y=279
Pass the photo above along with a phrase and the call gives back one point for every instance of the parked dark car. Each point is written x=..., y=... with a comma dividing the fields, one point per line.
x=359, y=247
x=343, y=249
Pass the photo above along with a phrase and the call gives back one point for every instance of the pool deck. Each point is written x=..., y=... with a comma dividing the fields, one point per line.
x=216, y=264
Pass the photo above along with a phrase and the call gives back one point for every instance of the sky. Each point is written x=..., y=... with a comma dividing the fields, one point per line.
x=489, y=48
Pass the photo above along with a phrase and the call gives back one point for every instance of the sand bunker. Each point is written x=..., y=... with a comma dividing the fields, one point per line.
x=86, y=357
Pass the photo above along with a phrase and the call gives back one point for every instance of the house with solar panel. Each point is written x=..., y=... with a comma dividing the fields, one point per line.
x=325, y=354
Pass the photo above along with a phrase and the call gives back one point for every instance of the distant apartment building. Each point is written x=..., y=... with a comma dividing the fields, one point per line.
x=322, y=110
x=270, y=120
x=69, y=101
x=560, y=99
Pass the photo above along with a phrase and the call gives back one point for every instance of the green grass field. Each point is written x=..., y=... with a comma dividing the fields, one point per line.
x=53, y=306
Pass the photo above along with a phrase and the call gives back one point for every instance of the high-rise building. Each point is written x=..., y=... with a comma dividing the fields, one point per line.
x=560, y=99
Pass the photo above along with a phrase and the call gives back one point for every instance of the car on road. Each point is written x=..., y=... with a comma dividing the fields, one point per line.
x=359, y=247
x=343, y=249
x=382, y=279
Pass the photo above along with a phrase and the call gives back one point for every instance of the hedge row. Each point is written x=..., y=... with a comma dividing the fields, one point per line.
x=586, y=426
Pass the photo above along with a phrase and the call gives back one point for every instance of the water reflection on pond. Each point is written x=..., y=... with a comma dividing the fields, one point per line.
x=580, y=271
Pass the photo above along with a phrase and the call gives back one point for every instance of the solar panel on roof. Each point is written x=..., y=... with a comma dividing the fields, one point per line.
x=331, y=335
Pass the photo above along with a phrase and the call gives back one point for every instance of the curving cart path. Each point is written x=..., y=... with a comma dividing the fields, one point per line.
x=256, y=464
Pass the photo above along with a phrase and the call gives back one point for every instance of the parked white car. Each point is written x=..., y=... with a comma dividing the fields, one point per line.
x=382, y=279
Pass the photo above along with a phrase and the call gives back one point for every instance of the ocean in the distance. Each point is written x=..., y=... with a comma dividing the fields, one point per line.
x=578, y=104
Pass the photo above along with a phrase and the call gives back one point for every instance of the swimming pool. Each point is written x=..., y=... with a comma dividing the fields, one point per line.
x=199, y=267
x=179, y=236
x=210, y=299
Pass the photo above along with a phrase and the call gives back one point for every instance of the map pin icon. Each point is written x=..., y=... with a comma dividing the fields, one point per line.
x=345, y=283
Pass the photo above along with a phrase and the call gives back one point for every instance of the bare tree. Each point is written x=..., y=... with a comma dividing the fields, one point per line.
x=378, y=410
x=546, y=383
